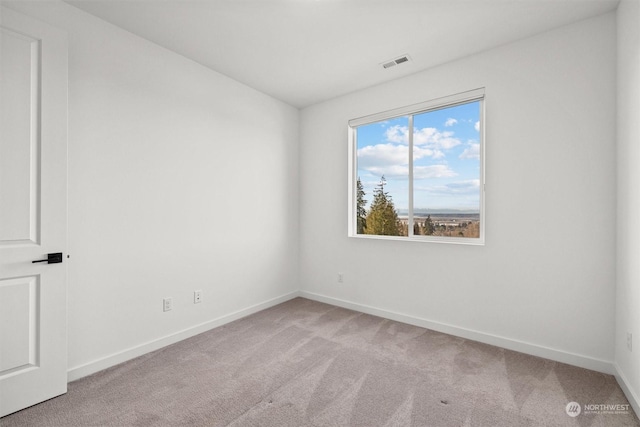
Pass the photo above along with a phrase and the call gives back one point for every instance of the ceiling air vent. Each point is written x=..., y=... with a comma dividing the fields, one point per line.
x=396, y=61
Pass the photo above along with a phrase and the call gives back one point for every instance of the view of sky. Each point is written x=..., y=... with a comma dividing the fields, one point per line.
x=446, y=155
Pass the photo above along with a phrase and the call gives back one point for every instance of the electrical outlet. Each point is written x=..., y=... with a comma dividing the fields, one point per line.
x=167, y=304
x=630, y=341
x=340, y=278
x=197, y=297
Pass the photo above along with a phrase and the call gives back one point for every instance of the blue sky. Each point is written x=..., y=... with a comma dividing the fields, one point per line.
x=446, y=158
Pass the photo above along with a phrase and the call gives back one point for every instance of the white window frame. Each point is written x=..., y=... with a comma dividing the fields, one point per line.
x=411, y=110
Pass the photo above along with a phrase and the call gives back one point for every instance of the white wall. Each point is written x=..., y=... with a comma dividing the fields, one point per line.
x=180, y=179
x=628, y=244
x=544, y=282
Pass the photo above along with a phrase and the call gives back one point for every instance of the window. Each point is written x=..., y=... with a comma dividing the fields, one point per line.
x=417, y=173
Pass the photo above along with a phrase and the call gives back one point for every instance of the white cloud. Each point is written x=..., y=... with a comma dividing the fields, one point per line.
x=471, y=152
x=435, y=139
x=450, y=122
x=382, y=155
x=389, y=171
x=391, y=158
x=477, y=126
x=464, y=187
x=398, y=134
x=430, y=137
x=419, y=172
x=433, y=171
x=419, y=153
x=471, y=187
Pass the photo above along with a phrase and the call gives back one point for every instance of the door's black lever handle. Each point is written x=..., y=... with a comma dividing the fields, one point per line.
x=53, y=258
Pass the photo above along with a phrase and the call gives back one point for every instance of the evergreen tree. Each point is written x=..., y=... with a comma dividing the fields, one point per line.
x=361, y=212
x=382, y=219
x=429, y=228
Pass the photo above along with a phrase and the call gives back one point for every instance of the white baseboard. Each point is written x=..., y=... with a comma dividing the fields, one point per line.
x=631, y=395
x=507, y=343
x=116, y=358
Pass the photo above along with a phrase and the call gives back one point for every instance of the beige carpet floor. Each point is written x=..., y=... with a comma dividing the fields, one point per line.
x=304, y=363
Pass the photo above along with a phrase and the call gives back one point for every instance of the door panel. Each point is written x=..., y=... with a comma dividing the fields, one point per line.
x=33, y=211
x=20, y=126
x=19, y=311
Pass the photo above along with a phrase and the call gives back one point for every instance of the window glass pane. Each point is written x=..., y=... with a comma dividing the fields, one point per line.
x=383, y=177
x=446, y=171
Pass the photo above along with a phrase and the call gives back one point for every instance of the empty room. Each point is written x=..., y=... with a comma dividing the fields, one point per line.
x=320, y=213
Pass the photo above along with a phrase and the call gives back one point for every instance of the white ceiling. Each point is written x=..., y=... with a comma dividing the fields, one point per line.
x=306, y=51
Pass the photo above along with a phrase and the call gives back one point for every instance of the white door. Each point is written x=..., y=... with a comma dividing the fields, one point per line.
x=33, y=211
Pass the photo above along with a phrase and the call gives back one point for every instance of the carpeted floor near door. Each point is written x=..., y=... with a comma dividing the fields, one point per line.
x=304, y=363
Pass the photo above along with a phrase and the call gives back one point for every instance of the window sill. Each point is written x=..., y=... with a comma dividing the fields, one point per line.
x=424, y=239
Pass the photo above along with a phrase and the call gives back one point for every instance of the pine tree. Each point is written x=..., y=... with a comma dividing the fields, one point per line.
x=361, y=212
x=429, y=228
x=382, y=219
